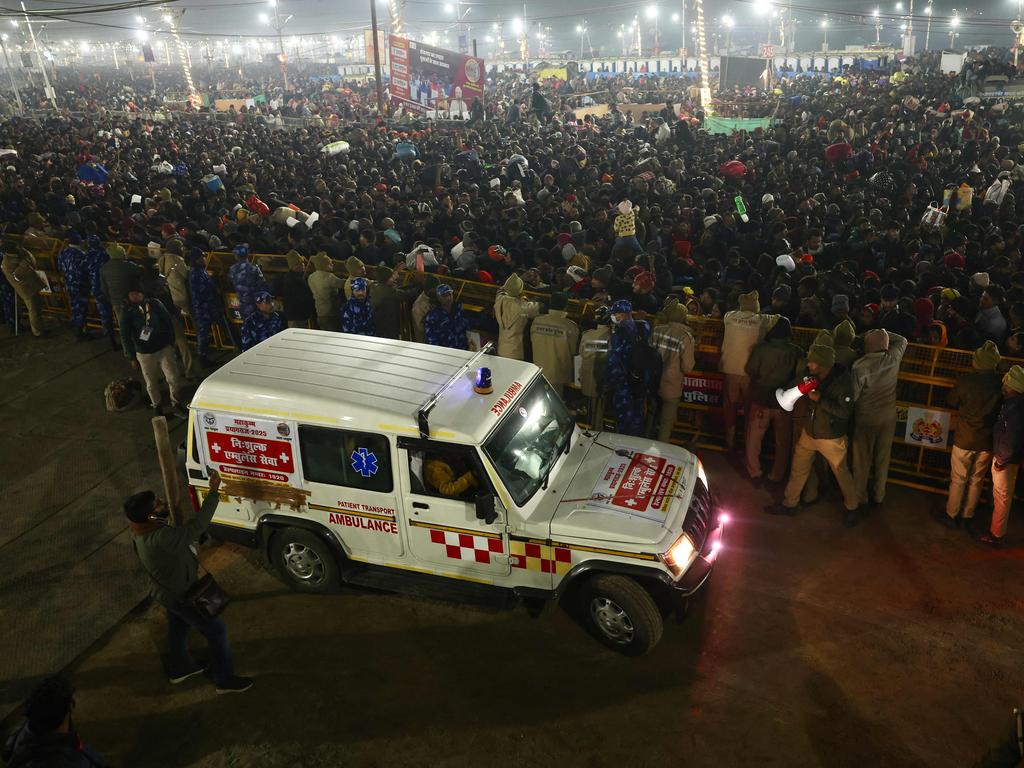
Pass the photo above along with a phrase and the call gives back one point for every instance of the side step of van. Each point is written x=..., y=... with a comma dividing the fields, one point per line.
x=427, y=585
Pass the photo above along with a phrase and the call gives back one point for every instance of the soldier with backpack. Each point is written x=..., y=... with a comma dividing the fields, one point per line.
x=634, y=368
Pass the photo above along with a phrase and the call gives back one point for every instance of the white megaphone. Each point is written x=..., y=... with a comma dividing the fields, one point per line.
x=787, y=397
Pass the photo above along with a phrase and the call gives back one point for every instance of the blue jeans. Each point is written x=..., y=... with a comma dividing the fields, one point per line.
x=182, y=618
x=631, y=241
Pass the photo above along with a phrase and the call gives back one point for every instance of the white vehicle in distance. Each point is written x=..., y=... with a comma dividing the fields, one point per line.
x=409, y=467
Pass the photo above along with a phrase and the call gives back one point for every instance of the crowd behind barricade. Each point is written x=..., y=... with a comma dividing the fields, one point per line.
x=876, y=206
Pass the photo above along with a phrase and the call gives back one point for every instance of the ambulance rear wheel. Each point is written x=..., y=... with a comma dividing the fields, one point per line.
x=621, y=614
x=304, y=560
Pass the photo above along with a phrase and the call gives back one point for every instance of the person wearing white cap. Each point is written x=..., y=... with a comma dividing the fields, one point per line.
x=786, y=262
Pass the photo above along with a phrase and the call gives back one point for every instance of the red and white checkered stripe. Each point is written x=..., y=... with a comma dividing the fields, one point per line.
x=466, y=546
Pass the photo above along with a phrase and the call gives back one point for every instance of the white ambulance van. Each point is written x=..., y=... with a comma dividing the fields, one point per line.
x=351, y=459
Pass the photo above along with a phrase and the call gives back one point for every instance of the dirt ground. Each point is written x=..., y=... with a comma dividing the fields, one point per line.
x=896, y=643
x=893, y=644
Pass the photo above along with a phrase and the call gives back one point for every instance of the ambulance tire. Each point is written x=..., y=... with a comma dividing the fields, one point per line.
x=621, y=614
x=305, y=561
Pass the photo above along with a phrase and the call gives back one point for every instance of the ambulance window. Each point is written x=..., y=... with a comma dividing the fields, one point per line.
x=350, y=459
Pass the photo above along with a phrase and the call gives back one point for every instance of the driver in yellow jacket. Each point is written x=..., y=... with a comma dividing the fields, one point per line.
x=441, y=477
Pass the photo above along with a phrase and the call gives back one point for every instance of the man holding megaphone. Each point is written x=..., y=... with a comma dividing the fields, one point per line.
x=831, y=407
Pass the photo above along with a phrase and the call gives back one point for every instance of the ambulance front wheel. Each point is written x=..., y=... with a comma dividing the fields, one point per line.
x=304, y=560
x=621, y=614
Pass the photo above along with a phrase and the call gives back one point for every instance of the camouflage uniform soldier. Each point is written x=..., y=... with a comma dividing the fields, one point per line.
x=247, y=280
x=445, y=325
x=628, y=405
x=357, y=314
x=72, y=263
x=263, y=323
x=207, y=306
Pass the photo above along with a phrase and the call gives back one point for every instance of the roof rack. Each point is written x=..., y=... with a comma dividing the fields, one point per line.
x=424, y=410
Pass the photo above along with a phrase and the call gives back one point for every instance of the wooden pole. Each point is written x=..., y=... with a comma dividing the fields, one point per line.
x=165, y=455
x=376, y=59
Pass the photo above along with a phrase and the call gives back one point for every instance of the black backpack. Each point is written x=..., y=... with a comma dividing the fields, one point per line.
x=645, y=367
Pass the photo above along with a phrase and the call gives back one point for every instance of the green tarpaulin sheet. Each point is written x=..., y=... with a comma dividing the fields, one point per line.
x=730, y=124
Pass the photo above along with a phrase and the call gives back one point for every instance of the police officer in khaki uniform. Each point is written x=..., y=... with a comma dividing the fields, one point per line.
x=825, y=433
x=976, y=396
x=19, y=267
x=555, y=339
x=513, y=312
x=674, y=341
x=593, y=363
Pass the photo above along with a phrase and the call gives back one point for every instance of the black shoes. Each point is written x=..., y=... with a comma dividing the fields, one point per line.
x=943, y=519
x=851, y=518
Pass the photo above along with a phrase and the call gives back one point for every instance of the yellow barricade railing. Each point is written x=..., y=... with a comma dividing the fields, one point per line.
x=926, y=375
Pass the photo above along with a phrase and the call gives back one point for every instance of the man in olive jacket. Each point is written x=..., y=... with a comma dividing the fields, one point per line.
x=976, y=396
x=831, y=408
x=772, y=364
x=170, y=562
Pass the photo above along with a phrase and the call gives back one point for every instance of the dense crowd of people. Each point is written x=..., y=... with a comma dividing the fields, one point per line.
x=878, y=205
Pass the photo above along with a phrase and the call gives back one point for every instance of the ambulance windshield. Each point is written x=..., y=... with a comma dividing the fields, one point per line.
x=529, y=440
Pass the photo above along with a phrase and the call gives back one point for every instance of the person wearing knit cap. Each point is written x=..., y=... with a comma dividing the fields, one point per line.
x=326, y=288
x=674, y=340
x=825, y=432
x=773, y=364
x=976, y=396
x=842, y=341
x=513, y=314
x=71, y=261
x=421, y=306
x=624, y=227
x=874, y=394
x=357, y=314
x=555, y=340
x=247, y=279
x=387, y=299
x=292, y=287
x=262, y=324
x=355, y=268
x=824, y=338
x=743, y=328
x=1007, y=453
x=117, y=275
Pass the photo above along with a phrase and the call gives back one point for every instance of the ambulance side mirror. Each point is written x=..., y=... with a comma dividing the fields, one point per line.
x=485, y=508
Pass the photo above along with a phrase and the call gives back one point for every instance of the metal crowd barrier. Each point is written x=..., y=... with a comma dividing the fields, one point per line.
x=926, y=376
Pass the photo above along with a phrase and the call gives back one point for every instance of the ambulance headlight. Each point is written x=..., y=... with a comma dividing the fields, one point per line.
x=679, y=554
x=702, y=475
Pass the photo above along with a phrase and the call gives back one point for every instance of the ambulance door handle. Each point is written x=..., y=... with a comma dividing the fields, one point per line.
x=420, y=505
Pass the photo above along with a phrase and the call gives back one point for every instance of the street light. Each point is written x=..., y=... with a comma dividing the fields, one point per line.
x=954, y=22
x=728, y=22
x=824, y=28
x=899, y=6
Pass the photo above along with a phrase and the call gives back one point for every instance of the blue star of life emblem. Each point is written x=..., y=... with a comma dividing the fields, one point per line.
x=364, y=462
